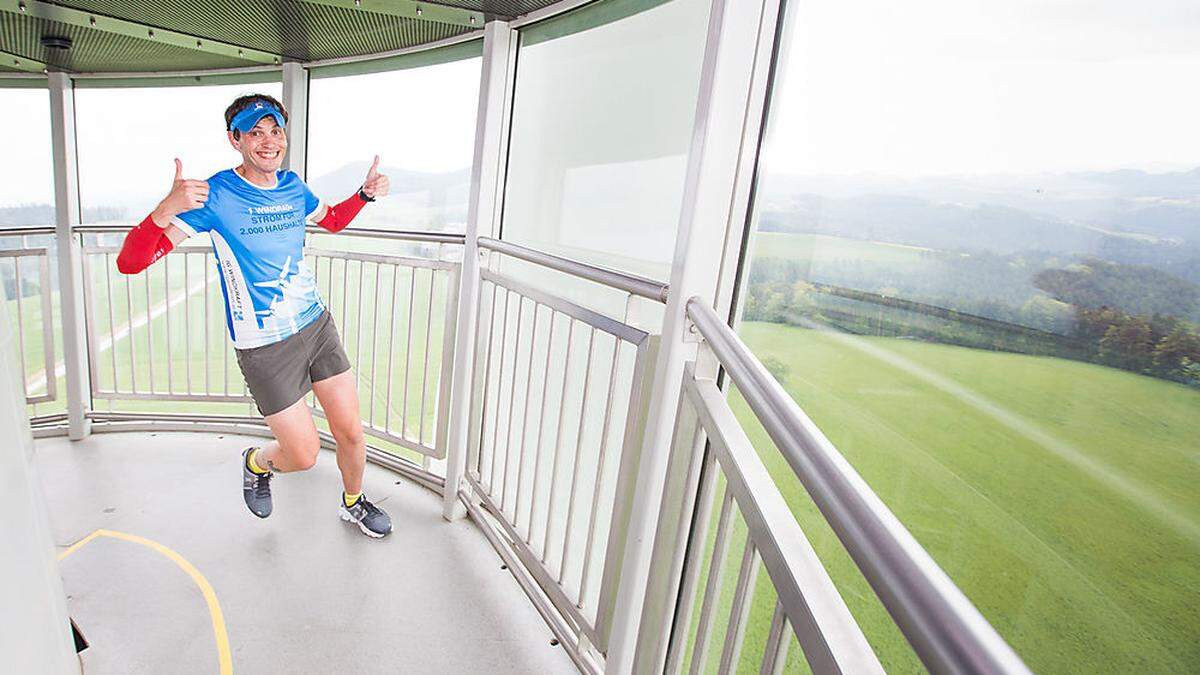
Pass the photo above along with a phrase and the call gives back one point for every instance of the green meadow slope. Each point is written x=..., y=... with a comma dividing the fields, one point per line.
x=1060, y=496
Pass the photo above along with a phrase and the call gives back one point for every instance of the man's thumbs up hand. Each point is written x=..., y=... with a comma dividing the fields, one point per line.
x=376, y=184
x=186, y=195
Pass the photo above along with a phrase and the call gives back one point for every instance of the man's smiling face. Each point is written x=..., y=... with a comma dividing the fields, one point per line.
x=263, y=146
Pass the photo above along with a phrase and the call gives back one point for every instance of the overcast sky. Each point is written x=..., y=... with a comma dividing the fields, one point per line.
x=421, y=119
x=868, y=86
x=963, y=86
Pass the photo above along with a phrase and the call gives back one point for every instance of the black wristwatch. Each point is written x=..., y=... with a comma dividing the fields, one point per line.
x=363, y=196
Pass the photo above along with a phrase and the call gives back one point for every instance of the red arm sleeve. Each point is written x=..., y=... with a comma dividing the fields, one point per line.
x=144, y=244
x=338, y=217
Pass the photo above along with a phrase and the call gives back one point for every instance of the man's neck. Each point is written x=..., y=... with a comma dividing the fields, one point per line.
x=266, y=179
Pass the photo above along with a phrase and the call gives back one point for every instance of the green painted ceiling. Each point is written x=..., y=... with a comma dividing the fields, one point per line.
x=167, y=35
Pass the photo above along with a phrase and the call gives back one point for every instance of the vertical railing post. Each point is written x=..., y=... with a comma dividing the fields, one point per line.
x=70, y=276
x=729, y=114
x=483, y=218
x=295, y=100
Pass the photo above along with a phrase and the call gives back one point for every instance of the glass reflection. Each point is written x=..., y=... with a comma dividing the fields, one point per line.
x=976, y=265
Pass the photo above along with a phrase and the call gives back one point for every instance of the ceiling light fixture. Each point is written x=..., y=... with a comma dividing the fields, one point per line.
x=56, y=42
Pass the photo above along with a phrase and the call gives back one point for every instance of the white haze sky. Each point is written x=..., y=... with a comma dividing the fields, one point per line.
x=981, y=86
x=867, y=86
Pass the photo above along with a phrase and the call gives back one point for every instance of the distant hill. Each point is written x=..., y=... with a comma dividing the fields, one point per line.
x=919, y=222
x=43, y=214
x=348, y=177
x=1126, y=216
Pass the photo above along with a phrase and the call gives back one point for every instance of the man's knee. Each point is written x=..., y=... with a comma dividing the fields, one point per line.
x=304, y=457
x=307, y=461
x=350, y=437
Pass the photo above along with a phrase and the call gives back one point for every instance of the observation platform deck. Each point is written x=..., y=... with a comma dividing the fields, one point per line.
x=299, y=592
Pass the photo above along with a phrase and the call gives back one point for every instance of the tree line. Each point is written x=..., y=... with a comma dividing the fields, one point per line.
x=1052, y=324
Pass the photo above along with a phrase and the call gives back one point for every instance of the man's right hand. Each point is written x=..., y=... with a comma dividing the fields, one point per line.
x=185, y=195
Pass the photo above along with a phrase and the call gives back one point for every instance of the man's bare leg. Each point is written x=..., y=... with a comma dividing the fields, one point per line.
x=339, y=399
x=296, y=442
x=295, y=448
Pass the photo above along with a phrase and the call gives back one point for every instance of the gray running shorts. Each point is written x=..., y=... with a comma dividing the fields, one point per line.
x=281, y=373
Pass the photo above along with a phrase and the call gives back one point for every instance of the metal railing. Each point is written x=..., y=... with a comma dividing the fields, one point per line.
x=158, y=335
x=806, y=603
x=556, y=417
x=161, y=335
x=402, y=343
x=33, y=313
x=557, y=408
x=948, y=634
x=622, y=281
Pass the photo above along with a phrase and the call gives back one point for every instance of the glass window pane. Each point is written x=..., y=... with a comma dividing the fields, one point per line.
x=26, y=174
x=129, y=138
x=600, y=131
x=27, y=198
x=421, y=123
x=976, y=265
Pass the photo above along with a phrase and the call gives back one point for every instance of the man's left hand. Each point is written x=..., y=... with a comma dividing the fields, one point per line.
x=376, y=185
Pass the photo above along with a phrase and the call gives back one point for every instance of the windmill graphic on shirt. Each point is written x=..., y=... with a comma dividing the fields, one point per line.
x=295, y=293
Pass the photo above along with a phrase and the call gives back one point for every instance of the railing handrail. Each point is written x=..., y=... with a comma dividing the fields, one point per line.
x=622, y=281
x=832, y=641
x=19, y=230
x=404, y=235
x=947, y=632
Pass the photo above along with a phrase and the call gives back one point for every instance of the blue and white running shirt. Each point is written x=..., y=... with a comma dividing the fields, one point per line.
x=258, y=238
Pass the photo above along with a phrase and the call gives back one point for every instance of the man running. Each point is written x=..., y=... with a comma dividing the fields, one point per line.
x=285, y=339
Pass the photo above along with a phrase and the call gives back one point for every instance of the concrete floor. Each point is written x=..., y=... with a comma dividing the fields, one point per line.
x=300, y=592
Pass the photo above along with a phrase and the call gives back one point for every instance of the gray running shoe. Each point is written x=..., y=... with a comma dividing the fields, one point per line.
x=256, y=488
x=370, y=519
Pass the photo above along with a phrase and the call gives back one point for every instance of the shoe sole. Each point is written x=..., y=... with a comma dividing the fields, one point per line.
x=345, y=515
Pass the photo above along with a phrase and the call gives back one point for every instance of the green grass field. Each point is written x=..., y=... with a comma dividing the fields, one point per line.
x=1060, y=496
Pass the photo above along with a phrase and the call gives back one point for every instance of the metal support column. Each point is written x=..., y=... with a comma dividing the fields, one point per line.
x=729, y=114
x=483, y=219
x=295, y=99
x=70, y=278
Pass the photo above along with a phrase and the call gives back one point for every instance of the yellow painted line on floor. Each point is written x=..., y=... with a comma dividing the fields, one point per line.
x=214, y=608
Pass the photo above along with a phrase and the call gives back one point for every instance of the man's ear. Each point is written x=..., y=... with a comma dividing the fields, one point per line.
x=234, y=141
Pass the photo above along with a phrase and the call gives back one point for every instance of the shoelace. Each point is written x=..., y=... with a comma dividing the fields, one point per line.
x=262, y=486
x=370, y=508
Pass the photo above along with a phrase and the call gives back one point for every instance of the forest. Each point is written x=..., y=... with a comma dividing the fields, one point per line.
x=1132, y=317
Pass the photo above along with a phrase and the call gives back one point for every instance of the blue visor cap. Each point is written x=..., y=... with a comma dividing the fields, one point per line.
x=246, y=119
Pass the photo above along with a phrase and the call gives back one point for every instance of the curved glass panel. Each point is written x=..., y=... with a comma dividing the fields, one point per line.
x=26, y=175
x=976, y=265
x=28, y=284
x=421, y=123
x=601, y=125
